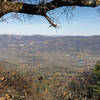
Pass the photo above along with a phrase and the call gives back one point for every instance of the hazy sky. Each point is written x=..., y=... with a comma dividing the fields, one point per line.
x=86, y=21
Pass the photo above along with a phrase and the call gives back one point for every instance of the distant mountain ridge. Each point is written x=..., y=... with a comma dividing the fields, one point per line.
x=89, y=44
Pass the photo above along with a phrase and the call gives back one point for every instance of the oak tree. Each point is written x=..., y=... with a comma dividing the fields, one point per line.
x=41, y=7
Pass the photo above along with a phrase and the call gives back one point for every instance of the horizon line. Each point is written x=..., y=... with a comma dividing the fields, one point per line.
x=49, y=35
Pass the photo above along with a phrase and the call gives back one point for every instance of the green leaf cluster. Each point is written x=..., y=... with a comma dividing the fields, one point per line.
x=96, y=72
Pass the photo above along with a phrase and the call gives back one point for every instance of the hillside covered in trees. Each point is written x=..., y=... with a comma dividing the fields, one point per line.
x=49, y=68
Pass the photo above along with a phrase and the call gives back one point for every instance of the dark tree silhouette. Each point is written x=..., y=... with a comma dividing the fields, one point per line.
x=41, y=7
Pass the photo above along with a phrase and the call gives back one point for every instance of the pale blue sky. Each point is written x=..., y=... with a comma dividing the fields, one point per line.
x=84, y=22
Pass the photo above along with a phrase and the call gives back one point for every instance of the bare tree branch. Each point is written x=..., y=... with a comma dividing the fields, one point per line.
x=49, y=20
x=43, y=7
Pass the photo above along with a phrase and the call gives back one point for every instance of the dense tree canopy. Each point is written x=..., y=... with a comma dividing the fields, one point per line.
x=41, y=7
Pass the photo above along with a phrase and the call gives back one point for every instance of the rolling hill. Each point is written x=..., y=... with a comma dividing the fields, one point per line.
x=69, y=54
x=52, y=44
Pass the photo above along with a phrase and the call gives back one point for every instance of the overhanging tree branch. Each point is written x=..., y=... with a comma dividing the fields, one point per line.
x=50, y=21
x=42, y=8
